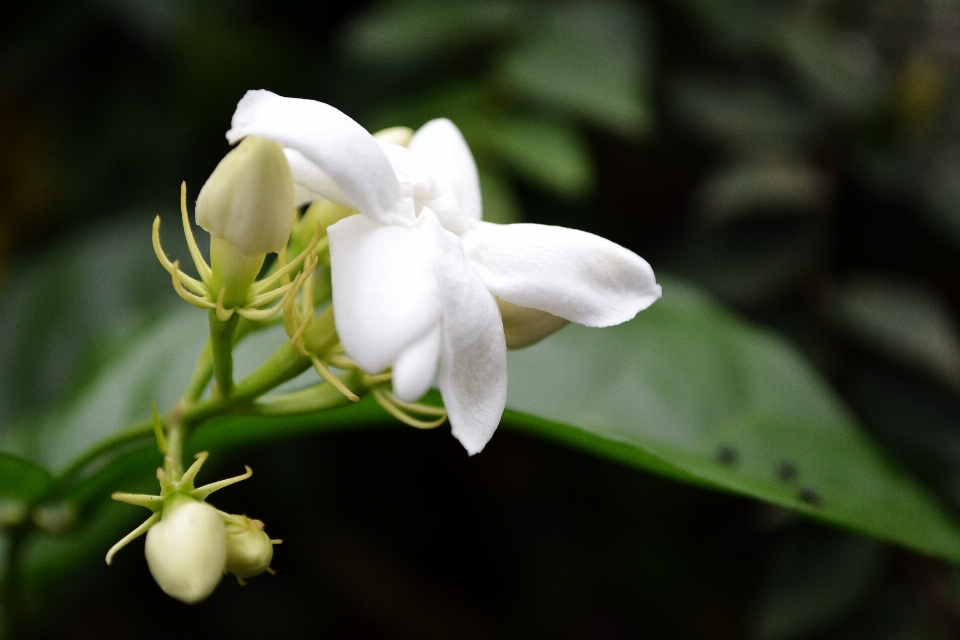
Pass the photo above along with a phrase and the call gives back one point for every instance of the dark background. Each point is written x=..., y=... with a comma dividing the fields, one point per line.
x=799, y=178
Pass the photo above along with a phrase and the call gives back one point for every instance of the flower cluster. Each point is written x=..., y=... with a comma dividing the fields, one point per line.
x=422, y=291
x=424, y=287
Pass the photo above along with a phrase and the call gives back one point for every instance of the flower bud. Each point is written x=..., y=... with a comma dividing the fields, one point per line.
x=187, y=550
x=247, y=205
x=523, y=326
x=320, y=336
x=322, y=212
x=248, y=199
x=396, y=135
x=232, y=272
x=249, y=549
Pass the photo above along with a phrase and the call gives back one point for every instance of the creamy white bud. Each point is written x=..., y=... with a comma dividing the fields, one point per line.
x=187, y=550
x=249, y=549
x=523, y=326
x=248, y=199
x=396, y=135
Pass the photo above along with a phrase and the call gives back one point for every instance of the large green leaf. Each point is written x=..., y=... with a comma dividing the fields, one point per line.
x=551, y=154
x=70, y=310
x=411, y=34
x=685, y=390
x=588, y=59
x=154, y=369
x=689, y=391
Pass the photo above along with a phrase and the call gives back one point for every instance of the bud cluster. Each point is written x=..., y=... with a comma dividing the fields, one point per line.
x=191, y=545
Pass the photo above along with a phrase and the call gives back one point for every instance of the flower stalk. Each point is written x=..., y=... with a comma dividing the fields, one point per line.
x=221, y=351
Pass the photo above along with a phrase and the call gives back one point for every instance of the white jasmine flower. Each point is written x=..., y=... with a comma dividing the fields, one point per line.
x=420, y=283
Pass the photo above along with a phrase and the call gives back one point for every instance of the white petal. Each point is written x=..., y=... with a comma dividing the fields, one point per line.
x=404, y=164
x=416, y=367
x=473, y=353
x=315, y=180
x=572, y=274
x=417, y=180
x=302, y=196
x=427, y=188
x=441, y=147
x=331, y=140
x=385, y=293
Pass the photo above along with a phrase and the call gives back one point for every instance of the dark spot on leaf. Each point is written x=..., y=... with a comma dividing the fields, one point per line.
x=726, y=455
x=787, y=471
x=810, y=496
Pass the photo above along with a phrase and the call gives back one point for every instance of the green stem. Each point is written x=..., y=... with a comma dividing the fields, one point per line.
x=316, y=398
x=221, y=349
x=203, y=370
x=173, y=461
x=200, y=377
x=285, y=364
x=282, y=366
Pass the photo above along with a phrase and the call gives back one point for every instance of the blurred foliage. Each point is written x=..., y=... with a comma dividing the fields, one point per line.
x=798, y=160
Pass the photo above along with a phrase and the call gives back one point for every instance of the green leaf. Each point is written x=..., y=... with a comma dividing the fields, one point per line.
x=903, y=319
x=765, y=187
x=588, y=59
x=154, y=369
x=22, y=481
x=553, y=155
x=685, y=390
x=843, y=72
x=741, y=115
x=416, y=32
x=499, y=201
x=689, y=391
x=72, y=309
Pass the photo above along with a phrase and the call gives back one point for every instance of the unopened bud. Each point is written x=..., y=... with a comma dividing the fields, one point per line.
x=320, y=212
x=248, y=199
x=249, y=548
x=523, y=326
x=397, y=135
x=320, y=336
x=187, y=550
x=247, y=206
